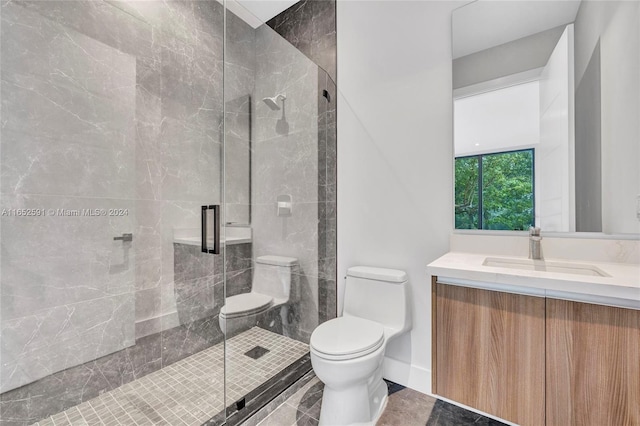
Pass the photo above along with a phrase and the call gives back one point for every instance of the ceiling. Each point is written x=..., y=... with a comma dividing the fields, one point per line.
x=257, y=12
x=485, y=23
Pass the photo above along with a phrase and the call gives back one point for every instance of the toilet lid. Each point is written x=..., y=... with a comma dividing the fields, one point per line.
x=245, y=304
x=347, y=337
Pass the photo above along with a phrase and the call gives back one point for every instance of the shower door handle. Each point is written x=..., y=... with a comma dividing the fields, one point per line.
x=216, y=229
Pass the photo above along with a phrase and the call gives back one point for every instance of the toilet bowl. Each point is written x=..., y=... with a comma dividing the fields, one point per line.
x=270, y=288
x=347, y=352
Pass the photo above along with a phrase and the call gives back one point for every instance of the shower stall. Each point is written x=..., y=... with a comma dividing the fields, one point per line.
x=150, y=152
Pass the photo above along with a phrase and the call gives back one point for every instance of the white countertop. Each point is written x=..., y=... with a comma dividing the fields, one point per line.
x=621, y=288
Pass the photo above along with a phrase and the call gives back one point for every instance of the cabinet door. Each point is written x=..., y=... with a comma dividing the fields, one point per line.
x=593, y=364
x=490, y=352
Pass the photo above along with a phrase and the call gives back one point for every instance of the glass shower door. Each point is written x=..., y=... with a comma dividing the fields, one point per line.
x=275, y=175
x=111, y=143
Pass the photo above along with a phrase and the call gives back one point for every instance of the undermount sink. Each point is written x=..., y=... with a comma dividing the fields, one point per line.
x=545, y=266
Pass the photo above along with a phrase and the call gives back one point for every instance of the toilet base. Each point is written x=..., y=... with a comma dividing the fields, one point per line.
x=233, y=326
x=360, y=404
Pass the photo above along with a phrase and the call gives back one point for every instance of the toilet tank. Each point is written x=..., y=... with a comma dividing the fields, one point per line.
x=380, y=295
x=272, y=276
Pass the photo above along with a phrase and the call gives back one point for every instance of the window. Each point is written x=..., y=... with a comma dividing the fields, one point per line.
x=495, y=191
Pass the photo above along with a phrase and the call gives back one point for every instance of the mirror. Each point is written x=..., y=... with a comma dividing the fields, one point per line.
x=546, y=112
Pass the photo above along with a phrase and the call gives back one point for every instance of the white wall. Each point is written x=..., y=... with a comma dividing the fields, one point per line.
x=395, y=156
x=504, y=119
x=554, y=162
x=616, y=24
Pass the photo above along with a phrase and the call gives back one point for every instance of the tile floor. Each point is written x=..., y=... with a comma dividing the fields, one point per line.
x=190, y=391
x=405, y=407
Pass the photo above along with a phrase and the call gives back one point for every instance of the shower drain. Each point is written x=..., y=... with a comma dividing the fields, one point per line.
x=256, y=352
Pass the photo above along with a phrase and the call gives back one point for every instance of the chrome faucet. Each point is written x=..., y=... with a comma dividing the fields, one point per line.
x=534, y=243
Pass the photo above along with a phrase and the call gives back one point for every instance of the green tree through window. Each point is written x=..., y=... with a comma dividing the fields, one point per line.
x=495, y=191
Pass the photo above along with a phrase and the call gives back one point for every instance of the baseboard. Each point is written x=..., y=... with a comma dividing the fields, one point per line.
x=412, y=376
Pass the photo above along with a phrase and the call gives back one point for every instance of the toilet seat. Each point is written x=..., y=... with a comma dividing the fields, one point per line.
x=245, y=304
x=346, y=338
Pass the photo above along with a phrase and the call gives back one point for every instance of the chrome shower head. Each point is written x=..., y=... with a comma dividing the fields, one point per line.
x=273, y=102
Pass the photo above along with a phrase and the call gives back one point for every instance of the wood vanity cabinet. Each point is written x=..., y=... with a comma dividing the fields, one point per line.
x=489, y=352
x=593, y=364
x=536, y=361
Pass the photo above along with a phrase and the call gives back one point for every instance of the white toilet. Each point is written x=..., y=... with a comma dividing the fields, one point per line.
x=347, y=352
x=270, y=288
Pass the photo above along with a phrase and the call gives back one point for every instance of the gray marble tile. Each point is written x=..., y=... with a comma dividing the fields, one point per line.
x=191, y=263
x=195, y=298
x=445, y=414
x=404, y=407
x=40, y=344
x=310, y=25
x=240, y=62
x=70, y=387
x=323, y=24
x=187, y=339
x=293, y=389
x=15, y=414
x=99, y=20
x=309, y=399
x=331, y=235
x=67, y=293
x=302, y=170
x=295, y=236
x=187, y=20
x=237, y=160
x=140, y=119
x=283, y=415
x=92, y=158
x=238, y=282
x=299, y=408
x=116, y=100
x=333, y=100
x=327, y=230
x=37, y=49
x=305, y=420
x=190, y=156
x=191, y=78
x=148, y=166
x=326, y=299
x=287, y=165
x=304, y=314
x=327, y=268
x=238, y=257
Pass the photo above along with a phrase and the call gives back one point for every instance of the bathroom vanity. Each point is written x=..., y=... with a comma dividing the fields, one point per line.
x=537, y=342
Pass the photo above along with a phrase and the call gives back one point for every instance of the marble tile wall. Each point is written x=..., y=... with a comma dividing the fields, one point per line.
x=118, y=105
x=199, y=280
x=285, y=162
x=310, y=25
x=199, y=297
x=327, y=180
x=237, y=200
x=107, y=105
x=67, y=143
x=239, y=84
